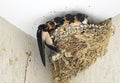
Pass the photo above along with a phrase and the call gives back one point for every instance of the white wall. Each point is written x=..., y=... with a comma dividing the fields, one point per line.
x=28, y=14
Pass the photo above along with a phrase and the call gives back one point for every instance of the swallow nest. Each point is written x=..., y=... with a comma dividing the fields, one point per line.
x=79, y=45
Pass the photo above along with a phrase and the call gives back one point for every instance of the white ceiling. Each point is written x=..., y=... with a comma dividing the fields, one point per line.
x=28, y=14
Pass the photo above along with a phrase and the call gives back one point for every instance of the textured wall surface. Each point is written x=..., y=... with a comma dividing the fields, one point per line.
x=19, y=57
x=20, y=61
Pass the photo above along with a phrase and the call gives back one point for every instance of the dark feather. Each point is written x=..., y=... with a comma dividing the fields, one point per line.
x=51, y=47
x=41, y=46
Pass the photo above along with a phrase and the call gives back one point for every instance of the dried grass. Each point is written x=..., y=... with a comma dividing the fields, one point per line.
x=79, y=46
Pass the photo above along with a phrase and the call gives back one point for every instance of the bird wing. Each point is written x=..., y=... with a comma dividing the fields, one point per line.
x=41, y=46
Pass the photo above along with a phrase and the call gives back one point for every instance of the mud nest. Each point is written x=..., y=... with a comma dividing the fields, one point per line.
x=79, y=46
